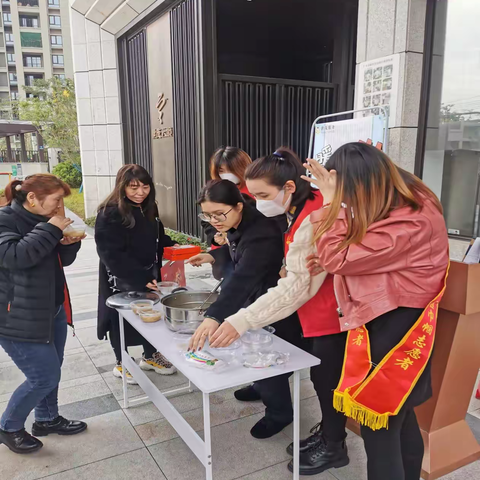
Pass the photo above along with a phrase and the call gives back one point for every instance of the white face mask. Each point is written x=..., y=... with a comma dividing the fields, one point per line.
x=230, y=177
x=275, y=207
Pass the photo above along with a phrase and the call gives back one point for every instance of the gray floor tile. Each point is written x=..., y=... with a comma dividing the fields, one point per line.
x=231, y=441
x=107, y=436
x=224, y=412
x=474, y=424
x=72, y=341
x=85, y=302
x=80, y=381
x=74, y=351
x=310, y=415
x=85, y=324
x=281, y=472
x=137, y=465
x=10, y=378
x=91, y=407
x=4, y=356
x=101, y=354
x=83, y=392
x=469, y=472
x=88, y=337
x=357, y=469
x=77, y=366
x=474, y=402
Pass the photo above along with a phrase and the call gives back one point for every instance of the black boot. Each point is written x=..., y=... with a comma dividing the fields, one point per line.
x=60, y=425
x=247, y=394
x=20, y=441
x=322, y=457
x=267, y=428
x=309, y=442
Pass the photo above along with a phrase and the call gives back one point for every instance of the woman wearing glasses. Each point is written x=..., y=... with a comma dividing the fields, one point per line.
x=255, y=251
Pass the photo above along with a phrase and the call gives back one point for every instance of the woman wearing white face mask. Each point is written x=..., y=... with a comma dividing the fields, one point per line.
x=275, y=182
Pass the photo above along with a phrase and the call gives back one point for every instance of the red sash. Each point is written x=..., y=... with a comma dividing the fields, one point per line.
x=370, y=398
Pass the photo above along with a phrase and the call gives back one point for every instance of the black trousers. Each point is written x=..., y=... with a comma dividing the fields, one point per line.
x=275, y=392
x=330, y=349
x=132, y=338
x=396, y=453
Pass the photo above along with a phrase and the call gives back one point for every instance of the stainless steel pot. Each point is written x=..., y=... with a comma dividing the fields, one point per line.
x=182, y=309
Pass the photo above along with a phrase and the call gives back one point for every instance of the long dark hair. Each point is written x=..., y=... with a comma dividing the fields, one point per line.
x=234, y=159
x=127, y=175
x=221, y=191
x=371, y=186
x=277, y=169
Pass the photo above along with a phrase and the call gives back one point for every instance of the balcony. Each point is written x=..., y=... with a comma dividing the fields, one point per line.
x=7, y=21
x=27, y=5
x=13, y=83
x=31, y=40
x=11, y=62
x=6, y=2
x=9, y=43
x=54, y=4
x=29, y=22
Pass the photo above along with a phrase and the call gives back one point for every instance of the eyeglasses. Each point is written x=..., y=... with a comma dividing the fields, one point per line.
x=219, y=217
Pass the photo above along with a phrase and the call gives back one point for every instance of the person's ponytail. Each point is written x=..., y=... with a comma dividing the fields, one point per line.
x=13, y=191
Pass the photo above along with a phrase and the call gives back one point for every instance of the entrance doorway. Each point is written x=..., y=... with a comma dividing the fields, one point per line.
x=282, y=63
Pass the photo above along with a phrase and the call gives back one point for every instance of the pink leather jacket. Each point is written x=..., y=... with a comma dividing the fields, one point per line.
x=401, y=262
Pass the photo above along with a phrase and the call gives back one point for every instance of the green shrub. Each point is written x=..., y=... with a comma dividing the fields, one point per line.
x=68, y=172
x=184, y=239
x=90, y=221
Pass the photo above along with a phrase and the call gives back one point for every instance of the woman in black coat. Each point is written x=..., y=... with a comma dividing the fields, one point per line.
x=35, y=306
x=255, y=251
x=130, y=241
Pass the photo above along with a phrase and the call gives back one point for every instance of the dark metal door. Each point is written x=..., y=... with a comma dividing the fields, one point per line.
x=260, y=114
x=138, y=120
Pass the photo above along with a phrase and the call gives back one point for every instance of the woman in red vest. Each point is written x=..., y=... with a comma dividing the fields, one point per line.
x=276, y=184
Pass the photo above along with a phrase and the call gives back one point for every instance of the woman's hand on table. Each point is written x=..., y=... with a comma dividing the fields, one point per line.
x=313, y=265
x=224, y=336
x=200, y=259
x=207, y=328
x=325, y=180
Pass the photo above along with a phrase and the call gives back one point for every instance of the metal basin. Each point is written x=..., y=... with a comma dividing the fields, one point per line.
x=182, y=310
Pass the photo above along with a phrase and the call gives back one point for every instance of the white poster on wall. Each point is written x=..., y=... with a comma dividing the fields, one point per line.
x=332, y=135
x=377, y=86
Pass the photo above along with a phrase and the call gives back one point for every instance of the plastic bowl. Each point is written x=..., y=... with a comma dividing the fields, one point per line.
x=142, y=306
x=166, y=288
x=257, y=340
x=76, y=231
x=150, y=317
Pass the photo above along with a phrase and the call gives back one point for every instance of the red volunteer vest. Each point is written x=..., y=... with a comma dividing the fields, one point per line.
x=319, y=315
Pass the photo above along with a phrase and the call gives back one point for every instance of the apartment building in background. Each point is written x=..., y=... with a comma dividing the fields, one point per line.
x=35, y=43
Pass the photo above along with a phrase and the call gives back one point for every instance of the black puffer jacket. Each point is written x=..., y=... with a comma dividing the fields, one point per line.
x=29, y=255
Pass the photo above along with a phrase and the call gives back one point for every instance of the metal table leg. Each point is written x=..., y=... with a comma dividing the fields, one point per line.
x=296, y=425
x=124, y=352
x=207, y=436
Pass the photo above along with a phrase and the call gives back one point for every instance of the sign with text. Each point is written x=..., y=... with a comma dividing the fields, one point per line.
x=332, y=135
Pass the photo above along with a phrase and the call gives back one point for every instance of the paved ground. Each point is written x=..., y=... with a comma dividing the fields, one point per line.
x=137, y=444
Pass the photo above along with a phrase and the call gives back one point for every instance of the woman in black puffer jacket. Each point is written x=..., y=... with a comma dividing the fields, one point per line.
x=34, y=306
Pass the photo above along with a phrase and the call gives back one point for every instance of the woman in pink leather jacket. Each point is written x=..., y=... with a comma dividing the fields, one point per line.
x=382, y=235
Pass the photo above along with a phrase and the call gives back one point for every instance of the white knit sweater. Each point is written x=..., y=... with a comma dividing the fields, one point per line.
x=291, y=292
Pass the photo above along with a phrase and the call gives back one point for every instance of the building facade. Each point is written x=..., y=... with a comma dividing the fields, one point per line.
x=162, y=83
x=35, y=43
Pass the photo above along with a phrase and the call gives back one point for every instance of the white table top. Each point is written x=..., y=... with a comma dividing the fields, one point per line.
x=231, y=376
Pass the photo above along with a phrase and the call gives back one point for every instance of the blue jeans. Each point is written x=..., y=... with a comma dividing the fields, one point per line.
x=41, y=363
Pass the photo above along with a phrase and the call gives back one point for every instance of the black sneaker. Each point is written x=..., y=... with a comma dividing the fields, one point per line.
x=322, y=457
x=309, y=442
x=60, y=425
x=247, y=394
x=20, y=441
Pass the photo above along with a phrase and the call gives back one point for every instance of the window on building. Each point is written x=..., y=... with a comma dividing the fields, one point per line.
x=10, y=57
x=56, y=40
x=14, y=95
x=452, y=141
x=57, y=59
x=27, y=3
x=29, y=21
x=9, y=37
x=30, y=79
x=7, y=18
x=32, y=61
x=60, y=76
x=13, y=77
x=30, y=39
x=54, y=3
x=3, y=80
x=55, y=20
